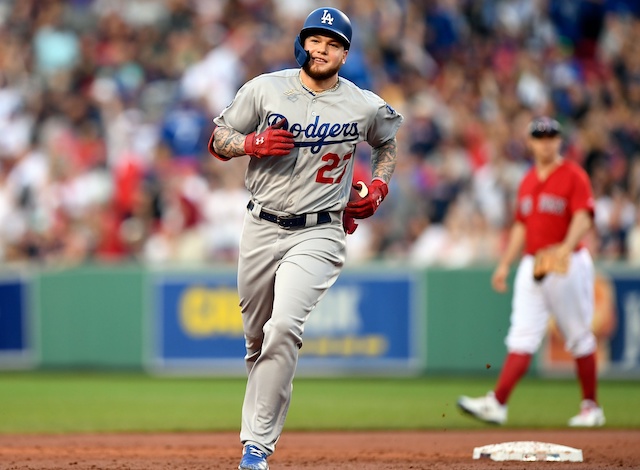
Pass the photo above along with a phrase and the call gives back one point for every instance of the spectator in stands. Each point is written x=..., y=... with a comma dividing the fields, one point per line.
x=104, y=105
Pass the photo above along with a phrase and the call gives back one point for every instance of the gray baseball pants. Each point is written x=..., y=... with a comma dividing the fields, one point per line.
x=282, y=274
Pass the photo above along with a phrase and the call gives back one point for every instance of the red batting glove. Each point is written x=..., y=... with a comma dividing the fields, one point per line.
x=274, y=141
x=348, y=224
x=366, y=206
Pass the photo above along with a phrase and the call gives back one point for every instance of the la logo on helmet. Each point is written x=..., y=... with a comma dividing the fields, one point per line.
x=326, y=17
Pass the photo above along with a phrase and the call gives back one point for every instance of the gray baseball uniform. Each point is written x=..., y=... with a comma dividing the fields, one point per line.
x=282, y=271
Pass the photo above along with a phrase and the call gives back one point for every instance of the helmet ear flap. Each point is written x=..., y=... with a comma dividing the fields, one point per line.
x=302, y=56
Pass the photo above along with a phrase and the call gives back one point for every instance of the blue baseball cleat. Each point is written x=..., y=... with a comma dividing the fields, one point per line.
x=253, y=459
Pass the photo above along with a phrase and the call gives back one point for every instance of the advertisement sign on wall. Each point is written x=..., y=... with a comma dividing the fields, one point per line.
x=15, y=349
x=365, y=322
x=625, y=343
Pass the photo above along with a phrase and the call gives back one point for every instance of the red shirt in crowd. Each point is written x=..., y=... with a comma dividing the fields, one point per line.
x=546, y=207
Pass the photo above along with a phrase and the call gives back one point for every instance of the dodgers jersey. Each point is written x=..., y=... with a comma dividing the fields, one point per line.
x=547, y=207
x=316, y=175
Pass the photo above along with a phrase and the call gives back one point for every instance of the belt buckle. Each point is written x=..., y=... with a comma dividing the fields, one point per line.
x=287, y=221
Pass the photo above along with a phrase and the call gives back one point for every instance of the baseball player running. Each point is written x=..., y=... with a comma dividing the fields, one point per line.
x=555, y=276
x=300, y=128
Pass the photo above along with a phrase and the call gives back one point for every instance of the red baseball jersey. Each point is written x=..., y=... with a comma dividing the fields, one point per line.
x=546, y=207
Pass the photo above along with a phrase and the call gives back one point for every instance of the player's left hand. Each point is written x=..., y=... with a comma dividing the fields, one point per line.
x=367, y=205
x=553, y=259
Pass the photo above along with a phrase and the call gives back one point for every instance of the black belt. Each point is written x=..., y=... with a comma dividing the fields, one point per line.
x=290, y=221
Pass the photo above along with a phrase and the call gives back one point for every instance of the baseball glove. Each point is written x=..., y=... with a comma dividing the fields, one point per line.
x=549, y=260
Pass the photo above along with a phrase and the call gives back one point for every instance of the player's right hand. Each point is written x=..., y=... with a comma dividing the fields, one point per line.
x=499, y=278
x=348, y=224
x=274, y=141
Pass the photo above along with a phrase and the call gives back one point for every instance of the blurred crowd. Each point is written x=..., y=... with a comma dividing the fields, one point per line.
x=106, y=107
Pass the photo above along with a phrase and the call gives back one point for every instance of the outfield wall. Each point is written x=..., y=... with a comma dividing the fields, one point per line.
x=376, y=320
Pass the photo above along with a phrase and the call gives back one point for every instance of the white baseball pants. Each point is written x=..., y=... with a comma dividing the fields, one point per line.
x=569, y=298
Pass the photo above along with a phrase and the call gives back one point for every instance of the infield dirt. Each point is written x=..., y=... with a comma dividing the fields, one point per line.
x=451, y=450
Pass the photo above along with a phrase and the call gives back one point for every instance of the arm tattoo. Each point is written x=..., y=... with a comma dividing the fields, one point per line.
x=383, y=160
x=228, y=142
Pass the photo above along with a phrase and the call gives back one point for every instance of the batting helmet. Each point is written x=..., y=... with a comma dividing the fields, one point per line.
x=325, y=21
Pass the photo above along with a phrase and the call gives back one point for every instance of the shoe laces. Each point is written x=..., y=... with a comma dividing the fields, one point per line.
x=253, y=450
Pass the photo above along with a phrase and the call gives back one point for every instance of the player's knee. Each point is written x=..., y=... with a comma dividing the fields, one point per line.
x=525, y=344
x=582, y=345
x=285, y=328
x=253, y=346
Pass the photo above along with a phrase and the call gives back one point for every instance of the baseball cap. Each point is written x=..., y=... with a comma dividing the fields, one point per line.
x=544, y=126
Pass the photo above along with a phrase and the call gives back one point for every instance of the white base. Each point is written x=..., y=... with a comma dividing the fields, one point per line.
x=528, y=451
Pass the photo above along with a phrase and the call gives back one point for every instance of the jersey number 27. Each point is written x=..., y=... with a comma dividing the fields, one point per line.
x=324, y=173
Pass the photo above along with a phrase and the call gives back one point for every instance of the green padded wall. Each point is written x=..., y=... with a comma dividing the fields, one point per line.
x=90, y=317
x=466, y=321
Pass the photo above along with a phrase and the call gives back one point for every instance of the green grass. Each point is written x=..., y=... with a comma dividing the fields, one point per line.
x=63, y=402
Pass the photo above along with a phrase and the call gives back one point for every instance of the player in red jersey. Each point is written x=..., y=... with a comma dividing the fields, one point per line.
x=554, y=209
